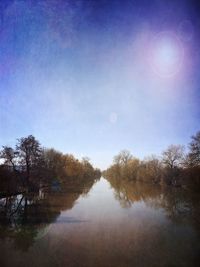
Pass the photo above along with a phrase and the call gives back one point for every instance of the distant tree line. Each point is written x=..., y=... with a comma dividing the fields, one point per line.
x=174, y=167
x=29, y=166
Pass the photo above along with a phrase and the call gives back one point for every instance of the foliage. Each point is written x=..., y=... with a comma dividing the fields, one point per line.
x=173, y=168
x=30, y=166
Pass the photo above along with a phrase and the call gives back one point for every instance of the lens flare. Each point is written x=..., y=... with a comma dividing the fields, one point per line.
x=166, y=54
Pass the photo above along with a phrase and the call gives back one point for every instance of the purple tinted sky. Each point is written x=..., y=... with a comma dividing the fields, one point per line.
x=75, y=74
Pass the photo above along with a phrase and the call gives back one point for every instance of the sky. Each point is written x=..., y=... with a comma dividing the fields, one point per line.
x=94, y=77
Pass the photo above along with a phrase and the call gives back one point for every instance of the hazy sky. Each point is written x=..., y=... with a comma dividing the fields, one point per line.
x=94, y=77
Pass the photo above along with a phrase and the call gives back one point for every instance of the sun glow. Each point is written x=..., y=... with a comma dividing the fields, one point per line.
x=166, y=54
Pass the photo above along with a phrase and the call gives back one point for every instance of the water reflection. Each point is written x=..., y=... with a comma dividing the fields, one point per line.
x=25, y=218
x=178, y=204
x=111, y=224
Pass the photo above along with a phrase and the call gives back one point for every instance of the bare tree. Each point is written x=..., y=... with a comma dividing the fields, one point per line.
x=173, y=156
x=123, y=157
x=29, y=151
x=9, y=156
x=193, y=157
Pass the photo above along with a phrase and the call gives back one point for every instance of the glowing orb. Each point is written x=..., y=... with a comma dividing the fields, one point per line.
x=166, y=54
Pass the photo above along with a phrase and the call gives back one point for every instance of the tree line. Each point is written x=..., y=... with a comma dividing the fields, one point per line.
x=174, y=167
x=29, y=166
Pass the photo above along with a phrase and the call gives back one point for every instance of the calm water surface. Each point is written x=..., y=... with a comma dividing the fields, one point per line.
x=108, y=224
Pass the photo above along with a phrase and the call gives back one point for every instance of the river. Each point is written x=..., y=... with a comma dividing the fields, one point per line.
x=110, y=224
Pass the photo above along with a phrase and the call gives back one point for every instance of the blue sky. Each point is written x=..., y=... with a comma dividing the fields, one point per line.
x=84, y=78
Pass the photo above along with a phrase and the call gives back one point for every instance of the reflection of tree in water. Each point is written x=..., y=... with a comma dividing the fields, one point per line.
x=127, y=192
x=25, y=218
x=181, y=206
